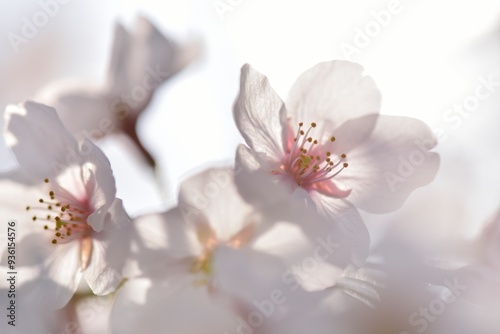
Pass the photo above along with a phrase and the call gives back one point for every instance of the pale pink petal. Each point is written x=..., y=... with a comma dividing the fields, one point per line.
x=390, y=164
x=144, y=306
x=41, y=144
x=334, y=91
x=260, y=114
x=110, y=250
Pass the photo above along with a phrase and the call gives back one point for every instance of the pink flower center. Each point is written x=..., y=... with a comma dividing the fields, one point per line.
x=310, y=162
x=63, y=215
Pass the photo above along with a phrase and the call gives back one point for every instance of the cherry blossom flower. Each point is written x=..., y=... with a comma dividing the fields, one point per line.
x=141, y=61
x=214, y=254
x=70, y=225
x=329, y=140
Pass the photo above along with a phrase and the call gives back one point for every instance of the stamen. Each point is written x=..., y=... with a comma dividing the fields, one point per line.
x=310, y=161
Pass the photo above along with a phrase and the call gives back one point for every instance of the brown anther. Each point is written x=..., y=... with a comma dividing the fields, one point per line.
x=343, y=156
x=328, y=154
x=40, y=200
x=332, y=139
x=45, y=227
x=313, y=124
x=345, y=164
x=33, y=218
x=46, y=180
x=54, y=241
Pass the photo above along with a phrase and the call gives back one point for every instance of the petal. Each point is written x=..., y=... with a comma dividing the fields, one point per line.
x=305, y=260
x=211, y=197
x=164, y=241
x=169, y=307
x=144, y=58
x=260, y=114
x=99, y=183
x=255, y=181
x=120, y=53
x=245, y=273
x=40, y=142
x=86, y=113
x=63, y=268
x=333, y=91
x=110, y=250
x=385, y=168
x=353, y=133
x=351, y=232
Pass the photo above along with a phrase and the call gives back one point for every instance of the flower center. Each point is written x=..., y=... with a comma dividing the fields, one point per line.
x=309, y=161
x=66, y=217
x=202, y=265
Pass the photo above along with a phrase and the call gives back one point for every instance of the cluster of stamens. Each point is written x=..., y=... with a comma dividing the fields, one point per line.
x=309, y=161
x=66, y=221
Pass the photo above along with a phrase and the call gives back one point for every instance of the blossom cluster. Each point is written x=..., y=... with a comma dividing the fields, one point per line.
x=274, y=243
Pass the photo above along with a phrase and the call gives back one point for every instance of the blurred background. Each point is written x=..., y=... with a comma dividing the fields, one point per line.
x=428, y=58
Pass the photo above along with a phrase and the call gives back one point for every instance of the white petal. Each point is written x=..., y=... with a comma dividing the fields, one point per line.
x=63, y=268
x=385, y=168
x=40, y=142
x=168, y=307
x=333, y=91
x=144, y=58
x=255, y=182
x=245, y=273
x=350, y=232
x=120, y=53
x=305, y=259
x=85, y=112
x=164, y=242
x=110, y=250
x=211, y=197
x=260, y=114
x=99, y=183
